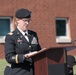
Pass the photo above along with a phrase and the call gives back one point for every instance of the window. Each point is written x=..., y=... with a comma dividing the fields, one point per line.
x=62, y=30
x=5, y=27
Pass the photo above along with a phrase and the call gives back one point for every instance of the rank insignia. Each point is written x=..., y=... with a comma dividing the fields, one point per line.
x=10, y=33
x=34, y=41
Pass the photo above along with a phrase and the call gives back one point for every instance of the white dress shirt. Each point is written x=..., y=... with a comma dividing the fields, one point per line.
x=23, y=33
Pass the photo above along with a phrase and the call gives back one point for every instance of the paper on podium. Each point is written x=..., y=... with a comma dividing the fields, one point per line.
x=35, y=53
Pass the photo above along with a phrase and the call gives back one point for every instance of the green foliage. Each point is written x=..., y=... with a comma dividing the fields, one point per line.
x=74, y=70
x=3, y=64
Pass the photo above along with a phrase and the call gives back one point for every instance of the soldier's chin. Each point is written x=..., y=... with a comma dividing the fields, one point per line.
x=25, y=29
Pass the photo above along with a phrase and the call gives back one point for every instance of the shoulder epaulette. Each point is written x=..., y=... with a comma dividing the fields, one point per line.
x=10, y=33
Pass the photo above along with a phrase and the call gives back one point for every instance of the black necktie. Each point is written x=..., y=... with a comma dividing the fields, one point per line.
x=29, y=37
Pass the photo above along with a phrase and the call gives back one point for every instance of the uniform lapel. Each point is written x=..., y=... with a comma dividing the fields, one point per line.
x=20, y=36
x=30, y=36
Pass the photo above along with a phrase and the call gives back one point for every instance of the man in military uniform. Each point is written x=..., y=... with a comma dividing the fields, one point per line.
x=20, y=44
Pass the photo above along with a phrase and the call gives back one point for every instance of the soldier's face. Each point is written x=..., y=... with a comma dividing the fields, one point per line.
x=23, y=24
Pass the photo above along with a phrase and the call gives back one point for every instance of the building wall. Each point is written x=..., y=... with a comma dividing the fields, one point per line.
x=44, y=13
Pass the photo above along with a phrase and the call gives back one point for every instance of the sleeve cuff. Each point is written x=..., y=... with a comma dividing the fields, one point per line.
x=16, y=58
x=20, y=58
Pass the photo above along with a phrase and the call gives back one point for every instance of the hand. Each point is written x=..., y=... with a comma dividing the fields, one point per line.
x=43, y=48
x=30, y=54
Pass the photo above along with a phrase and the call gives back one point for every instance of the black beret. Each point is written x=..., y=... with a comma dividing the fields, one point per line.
x=23, y=13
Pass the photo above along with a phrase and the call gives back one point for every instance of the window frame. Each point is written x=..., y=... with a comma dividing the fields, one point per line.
x=2, y=38
x=67, y=38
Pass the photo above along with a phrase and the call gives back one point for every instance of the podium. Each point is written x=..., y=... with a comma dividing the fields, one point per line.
x=51, y=61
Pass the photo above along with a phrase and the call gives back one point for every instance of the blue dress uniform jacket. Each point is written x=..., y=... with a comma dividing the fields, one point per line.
x=16, y=44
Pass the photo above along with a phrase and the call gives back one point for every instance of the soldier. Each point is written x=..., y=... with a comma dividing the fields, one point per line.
x=20, y=44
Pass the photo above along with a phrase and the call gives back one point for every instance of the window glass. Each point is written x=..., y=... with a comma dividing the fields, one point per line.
x=60, y=27
x=4, y=26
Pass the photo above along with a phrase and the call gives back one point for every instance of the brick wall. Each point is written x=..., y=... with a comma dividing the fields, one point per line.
x=1, y=51
x=44, y=13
